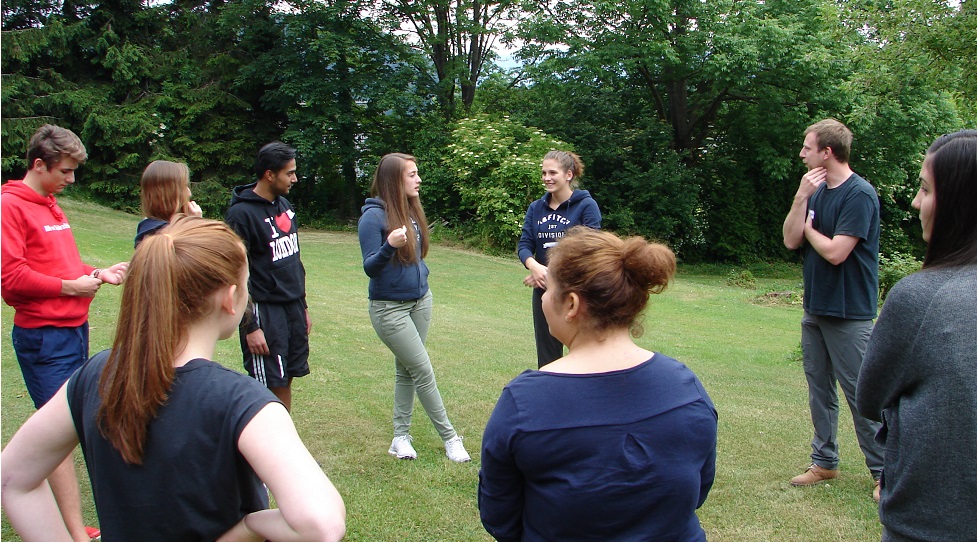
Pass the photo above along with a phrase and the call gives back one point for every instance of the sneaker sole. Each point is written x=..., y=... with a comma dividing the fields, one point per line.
x=809, y=484
x=393, y=453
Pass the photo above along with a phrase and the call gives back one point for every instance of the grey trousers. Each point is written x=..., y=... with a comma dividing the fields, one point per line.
x=403, y=326
x=833, y=351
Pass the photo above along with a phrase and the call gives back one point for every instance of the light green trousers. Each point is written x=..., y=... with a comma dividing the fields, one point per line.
x=403, y=326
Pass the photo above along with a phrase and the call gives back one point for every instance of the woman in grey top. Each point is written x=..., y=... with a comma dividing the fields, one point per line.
x=919, y=376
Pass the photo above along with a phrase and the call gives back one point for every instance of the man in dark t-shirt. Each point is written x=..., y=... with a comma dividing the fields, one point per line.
x=834, y=220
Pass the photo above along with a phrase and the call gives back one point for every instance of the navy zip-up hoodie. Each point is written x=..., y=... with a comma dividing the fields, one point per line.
x=269, y=230
x=544, y=227
x=389, y=279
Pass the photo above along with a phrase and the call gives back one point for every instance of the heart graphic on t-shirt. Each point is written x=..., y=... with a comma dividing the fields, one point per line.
x=283, y=222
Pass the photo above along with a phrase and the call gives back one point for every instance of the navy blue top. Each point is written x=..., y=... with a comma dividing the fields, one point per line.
x=850, y=289
x=622, y=455
x=194, y=483
x=544, y=227
x=148, y=226
x=390, y=280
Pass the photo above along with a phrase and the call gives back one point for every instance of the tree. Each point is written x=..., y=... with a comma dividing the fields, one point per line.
x=914, y=80
x=139, y=83
x=932, y=42
x=658, y=97
x=690, y=58
x=728, y=88
x=83, y=73
x=457, y=36
x=497, y=167
x=347, y=90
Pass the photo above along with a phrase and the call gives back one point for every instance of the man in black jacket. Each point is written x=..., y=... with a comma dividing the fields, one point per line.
x=275, y=336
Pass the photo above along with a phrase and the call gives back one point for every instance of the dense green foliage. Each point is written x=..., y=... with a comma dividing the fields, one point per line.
x=496, y=165
x=688, y=114
x=893, y=268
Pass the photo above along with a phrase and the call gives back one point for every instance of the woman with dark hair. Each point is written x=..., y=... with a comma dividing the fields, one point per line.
x=611, y=441
x=547, y=220
x=394, y=240
x=919, y=376
x=164, y=192
x=177, y=446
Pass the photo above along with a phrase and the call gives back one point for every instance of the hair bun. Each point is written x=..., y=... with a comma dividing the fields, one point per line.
x=649, y=265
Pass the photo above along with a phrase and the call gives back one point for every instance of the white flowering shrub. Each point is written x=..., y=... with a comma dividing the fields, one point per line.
x=497, y=163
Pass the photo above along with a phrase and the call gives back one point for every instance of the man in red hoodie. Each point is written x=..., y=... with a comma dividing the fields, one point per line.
x=50, y=289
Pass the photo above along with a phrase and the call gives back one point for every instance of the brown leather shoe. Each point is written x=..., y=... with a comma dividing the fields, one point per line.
x=813, y=475
x=877, y=492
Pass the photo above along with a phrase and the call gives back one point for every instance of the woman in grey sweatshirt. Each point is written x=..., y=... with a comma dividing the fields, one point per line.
x=919, y=376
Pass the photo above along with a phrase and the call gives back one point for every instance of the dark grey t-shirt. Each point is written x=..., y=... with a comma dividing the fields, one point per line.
x=849, y=290
x=193, y=483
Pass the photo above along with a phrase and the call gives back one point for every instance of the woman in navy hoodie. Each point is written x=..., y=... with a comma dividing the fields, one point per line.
x=165, y=191
x=547, y=221
x=394, y=240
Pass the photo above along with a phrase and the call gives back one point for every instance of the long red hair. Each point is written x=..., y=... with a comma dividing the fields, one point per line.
x=169, y=285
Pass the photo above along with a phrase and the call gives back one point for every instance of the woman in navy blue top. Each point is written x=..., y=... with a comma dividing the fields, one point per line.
x=394, y=239
x=611, y=441
x=547, y=220
x=165, y=192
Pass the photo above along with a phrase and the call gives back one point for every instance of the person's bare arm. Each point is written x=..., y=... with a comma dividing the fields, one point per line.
x=794, y=223
x=309, y=506
x=38, y=447
x=833, y=249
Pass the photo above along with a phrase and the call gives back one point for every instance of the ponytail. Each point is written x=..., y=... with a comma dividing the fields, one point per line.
x=169, y=285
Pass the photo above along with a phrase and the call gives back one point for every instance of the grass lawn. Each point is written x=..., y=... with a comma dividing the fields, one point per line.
x=744, y=352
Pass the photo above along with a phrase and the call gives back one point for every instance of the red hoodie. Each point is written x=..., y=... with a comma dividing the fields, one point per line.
x=38, y=251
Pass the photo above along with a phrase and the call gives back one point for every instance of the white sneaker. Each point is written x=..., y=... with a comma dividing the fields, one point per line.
x=401, y=447
x=456, y=450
